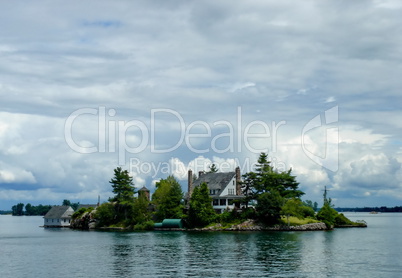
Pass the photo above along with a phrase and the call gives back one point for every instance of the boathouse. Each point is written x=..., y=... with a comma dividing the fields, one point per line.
x=58, y=216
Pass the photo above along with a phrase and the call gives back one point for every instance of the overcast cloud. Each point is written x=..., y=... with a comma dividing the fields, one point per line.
x=89, y=85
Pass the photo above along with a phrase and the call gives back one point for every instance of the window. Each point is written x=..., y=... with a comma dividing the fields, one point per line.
x=52, y=220
x=231, y=191
x=215, y=202
x=64, y=220
x=222, y=202
x=233, y=182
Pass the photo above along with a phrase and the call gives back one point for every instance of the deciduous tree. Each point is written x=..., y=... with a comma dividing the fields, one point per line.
x=168, y=198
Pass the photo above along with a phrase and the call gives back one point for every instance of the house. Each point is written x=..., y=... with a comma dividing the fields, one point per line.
x=224, y=188
x=58, y=216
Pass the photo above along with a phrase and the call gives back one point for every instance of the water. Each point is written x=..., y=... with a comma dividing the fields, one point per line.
x=26, y=250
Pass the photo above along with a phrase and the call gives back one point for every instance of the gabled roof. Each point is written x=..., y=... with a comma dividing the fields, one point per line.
x=215, y=180
x=59, y=212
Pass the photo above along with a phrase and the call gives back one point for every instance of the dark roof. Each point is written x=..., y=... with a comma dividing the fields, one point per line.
x=144, y=189
x=215, y=180
x=59, y=212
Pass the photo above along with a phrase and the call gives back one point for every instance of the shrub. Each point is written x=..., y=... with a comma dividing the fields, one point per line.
x=105, y=214
x=341, y=219
x=248, y=213
x=78, y=213
x=327, y=215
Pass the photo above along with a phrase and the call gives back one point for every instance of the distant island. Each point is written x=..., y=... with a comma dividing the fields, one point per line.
x=371, y=209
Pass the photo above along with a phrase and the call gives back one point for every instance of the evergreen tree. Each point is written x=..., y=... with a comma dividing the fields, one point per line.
x=270, y=188
x=213, y=168
x=201, y=212
x=123, y=186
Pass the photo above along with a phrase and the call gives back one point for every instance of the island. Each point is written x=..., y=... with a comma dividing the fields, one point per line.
x=263, y=199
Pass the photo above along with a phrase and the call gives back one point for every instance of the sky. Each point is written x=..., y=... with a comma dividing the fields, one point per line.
x=161, y=87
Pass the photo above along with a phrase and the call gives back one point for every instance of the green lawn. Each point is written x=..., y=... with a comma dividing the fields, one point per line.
x=294, y=221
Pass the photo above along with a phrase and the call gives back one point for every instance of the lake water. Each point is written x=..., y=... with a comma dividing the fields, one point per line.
x=26, y=250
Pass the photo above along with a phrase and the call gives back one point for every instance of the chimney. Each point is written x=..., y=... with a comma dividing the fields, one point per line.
x=238, y=181
x=190, y=183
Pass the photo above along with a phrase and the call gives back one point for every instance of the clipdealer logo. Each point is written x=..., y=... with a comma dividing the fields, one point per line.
x=113, y=134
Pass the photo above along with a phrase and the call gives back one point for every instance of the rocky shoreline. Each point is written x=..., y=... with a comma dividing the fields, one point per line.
x=251, y=225
x=87, y=222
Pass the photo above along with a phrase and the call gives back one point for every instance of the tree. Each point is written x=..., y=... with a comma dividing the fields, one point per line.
x=213, y=169
x=168, y=198
x=123, y=186
x=66, y=203
x=270, y=188
x=140, y=209
x=309, y=208
x=327, y=213
x=18, y=209
x=29, y=209
x=269, y=206
x=266, y=178
x=201, y=212
x=105, y=214
x=293, y=207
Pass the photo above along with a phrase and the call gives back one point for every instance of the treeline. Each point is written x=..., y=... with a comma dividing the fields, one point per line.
x=370, y=209
x=30, y=210
x=18, y=210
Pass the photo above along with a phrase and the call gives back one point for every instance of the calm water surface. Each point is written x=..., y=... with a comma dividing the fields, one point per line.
x=26, y=250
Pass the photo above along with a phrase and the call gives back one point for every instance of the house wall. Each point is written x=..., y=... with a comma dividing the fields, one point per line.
x=57, y=222
x=230, y=188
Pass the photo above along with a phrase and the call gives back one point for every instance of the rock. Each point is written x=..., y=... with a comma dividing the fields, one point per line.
x=85, y=222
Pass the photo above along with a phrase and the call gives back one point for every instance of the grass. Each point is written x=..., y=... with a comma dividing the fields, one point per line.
x=294, y=221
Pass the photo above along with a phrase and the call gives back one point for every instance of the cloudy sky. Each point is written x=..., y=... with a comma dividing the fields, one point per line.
x=159, y=87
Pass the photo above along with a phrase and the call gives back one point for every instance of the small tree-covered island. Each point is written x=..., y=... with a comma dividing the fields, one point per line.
x=264, y=199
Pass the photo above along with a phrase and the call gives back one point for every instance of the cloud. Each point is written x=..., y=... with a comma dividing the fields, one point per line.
x=206, y=61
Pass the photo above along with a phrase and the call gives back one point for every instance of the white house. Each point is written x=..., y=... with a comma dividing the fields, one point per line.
x=58, y=216
x=224, y=188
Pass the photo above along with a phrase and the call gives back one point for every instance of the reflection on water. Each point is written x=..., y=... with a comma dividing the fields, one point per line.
x=371, y=252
